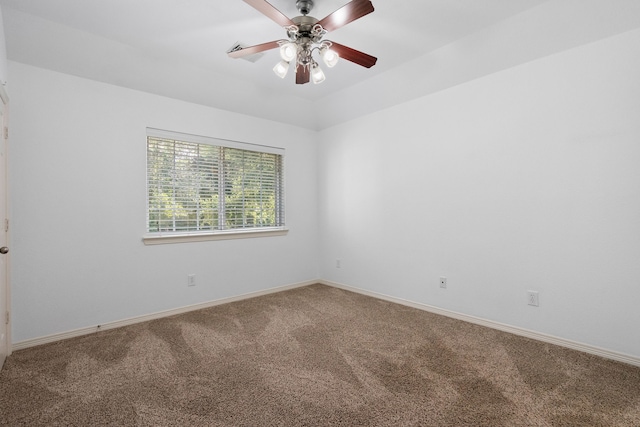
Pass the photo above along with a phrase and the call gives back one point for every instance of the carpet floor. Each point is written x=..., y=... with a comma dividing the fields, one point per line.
x=313, y=356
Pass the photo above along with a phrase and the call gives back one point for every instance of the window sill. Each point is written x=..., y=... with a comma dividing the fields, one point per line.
x=166, y=238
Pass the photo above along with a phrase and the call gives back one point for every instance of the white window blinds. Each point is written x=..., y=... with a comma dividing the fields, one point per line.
x=198, y=186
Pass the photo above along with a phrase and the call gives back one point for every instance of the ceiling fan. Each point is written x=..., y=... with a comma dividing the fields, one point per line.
x=305, y=35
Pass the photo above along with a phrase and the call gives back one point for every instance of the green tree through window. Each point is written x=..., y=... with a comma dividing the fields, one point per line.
x=201, y=187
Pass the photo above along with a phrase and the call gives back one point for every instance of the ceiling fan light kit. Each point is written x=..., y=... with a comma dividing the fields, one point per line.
x=288, y=51
x=281, y=69
x=305, y=36
x=317, y=75
x=329, y=57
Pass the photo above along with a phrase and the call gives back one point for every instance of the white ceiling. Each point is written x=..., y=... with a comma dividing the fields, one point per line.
x=177, y=48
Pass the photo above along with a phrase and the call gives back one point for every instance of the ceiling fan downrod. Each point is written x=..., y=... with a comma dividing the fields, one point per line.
x=304, y=6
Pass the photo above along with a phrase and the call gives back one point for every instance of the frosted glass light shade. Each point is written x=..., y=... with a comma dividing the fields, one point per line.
x=288, y=51
x=317, y=76
x=330, y=57
x=281, y=69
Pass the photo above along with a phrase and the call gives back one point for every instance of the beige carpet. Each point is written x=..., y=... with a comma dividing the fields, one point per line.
x=313, y=356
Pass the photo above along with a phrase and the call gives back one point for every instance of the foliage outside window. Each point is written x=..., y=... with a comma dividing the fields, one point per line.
x=200, y=187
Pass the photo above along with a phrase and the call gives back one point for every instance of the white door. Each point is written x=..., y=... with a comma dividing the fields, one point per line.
x=4, y=257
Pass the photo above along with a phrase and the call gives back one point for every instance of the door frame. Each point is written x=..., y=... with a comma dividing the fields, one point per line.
x=5, y=140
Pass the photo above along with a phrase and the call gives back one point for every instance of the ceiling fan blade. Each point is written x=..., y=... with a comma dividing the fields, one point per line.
x=353, y=55
x=270, y=12
x=348, y=13
x=250, y=50
x=303, y=74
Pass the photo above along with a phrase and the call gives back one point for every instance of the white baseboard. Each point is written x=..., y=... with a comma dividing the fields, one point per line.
x=144, y=318
x=586, y=348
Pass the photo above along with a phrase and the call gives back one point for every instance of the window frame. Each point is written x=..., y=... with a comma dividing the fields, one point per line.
x=164, y=237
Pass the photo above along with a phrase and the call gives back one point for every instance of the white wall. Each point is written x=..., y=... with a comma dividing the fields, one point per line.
x=525, y=179
x=3, y=52
x=78, y=182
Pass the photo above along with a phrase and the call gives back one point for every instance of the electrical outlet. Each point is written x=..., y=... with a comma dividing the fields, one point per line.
x=443, y=282
x=338, y=264
x=532, y=298
x=191, y=279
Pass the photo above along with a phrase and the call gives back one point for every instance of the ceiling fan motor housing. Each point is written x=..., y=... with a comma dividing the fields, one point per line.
x=304, y=6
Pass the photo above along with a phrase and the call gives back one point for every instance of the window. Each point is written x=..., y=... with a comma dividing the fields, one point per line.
x=198, y=185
